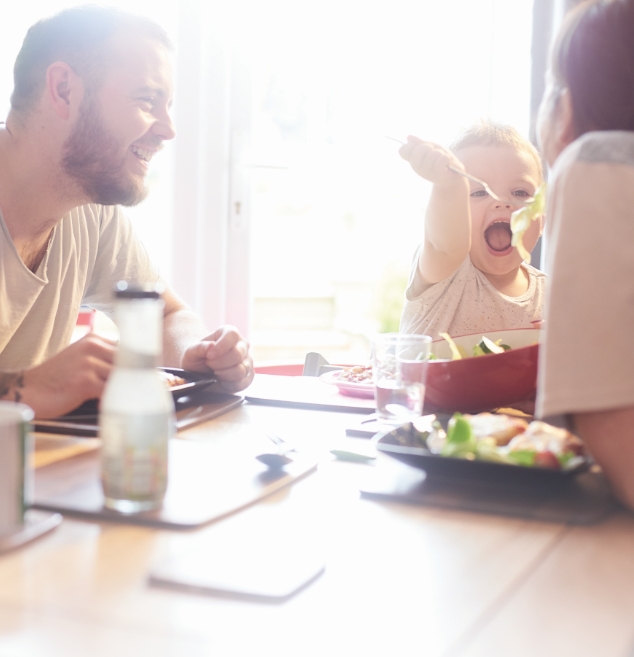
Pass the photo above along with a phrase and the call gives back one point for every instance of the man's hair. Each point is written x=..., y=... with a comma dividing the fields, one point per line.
x=488, y=133
x=593, y=57
x=80, y=37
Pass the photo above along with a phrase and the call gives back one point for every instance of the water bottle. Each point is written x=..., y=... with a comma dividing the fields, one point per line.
x=136, y=418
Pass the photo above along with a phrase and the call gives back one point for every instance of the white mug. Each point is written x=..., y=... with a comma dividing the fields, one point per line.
x=15, y=464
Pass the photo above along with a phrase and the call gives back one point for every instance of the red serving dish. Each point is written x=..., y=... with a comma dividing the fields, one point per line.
x=472, y=385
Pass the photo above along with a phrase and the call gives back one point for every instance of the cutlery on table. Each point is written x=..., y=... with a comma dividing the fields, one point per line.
x=277, y=459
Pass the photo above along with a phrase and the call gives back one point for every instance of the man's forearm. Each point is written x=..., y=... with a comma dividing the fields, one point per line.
x=181, y=329
x=11, y=386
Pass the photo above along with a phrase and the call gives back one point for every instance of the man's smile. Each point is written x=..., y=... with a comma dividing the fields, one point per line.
x=142, y=153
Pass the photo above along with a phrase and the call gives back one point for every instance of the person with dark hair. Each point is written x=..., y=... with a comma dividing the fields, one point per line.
x=90, y=108
x=466, y=275
x=586, y=130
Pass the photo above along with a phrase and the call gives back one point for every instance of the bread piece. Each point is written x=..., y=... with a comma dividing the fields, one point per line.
x=543, y=437
x=502, y=428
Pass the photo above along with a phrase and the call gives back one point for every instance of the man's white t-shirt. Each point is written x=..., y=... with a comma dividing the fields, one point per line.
x=466, y=302
x=586, y=360
x=90, y=250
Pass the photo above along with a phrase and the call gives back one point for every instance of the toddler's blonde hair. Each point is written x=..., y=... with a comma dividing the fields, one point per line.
x=489, y=133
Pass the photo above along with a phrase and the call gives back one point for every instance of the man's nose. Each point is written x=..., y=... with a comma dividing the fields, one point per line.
x=164, y=127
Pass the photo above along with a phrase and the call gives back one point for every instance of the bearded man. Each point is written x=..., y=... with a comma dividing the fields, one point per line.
x=90, y=108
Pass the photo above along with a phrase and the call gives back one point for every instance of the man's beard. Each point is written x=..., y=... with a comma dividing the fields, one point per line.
x=93, y=159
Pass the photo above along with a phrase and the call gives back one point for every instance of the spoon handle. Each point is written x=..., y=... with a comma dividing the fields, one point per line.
x=458, y=171
x=487, y=189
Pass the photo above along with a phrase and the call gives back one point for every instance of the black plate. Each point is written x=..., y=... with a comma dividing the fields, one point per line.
x=194, y=382
x=401, y=444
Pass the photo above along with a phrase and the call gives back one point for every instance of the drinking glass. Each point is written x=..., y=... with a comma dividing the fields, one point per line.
x=15, y=465
x=399, y=365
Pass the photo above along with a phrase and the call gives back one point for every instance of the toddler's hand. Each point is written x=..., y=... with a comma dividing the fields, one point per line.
x=430, y=161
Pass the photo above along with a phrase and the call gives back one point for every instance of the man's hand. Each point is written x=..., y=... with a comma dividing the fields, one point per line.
x=431, y=161
x=65, y=381
x=225, y=352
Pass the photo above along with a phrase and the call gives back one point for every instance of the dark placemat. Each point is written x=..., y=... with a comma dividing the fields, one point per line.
x=36, y=524
x=304, y=392
x=584, y=500
x=192, y=409
x=205, y=484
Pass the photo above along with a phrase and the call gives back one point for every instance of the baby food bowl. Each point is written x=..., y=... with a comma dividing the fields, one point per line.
x=483, y=383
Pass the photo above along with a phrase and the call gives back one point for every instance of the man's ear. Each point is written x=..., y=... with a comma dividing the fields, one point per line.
x=64, y=89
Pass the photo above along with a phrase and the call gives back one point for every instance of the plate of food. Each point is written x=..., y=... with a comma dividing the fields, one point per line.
x=487, y=446
x=354, y=381
x=183, y=382
x=180, y=382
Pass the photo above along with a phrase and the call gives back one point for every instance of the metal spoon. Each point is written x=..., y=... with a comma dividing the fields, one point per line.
x=277, y=459
x=487, y=189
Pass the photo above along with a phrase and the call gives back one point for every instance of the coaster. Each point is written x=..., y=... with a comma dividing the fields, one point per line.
x=206, y=483
x=584, y=500
x=36, y=524
x=289, y=538
x=226, y=565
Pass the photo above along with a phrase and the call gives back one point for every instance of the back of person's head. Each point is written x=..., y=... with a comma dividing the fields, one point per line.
x=80, y=37
x=489, y=133
x=593, y=57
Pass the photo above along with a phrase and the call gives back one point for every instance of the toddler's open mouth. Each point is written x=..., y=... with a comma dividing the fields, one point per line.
x=498, y=236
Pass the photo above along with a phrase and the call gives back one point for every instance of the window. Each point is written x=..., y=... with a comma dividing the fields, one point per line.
x=335, y=213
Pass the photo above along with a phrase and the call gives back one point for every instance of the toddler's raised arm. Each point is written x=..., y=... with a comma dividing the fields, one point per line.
x=447, y=220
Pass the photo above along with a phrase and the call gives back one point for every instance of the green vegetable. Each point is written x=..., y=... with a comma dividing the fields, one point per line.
x=523, y=457
x=487, y=450
x=569, y=460
x=459, y=430
x=490, y=347
x=521, y=220
x=455, y=352
x=460, y=439
x=348, y=455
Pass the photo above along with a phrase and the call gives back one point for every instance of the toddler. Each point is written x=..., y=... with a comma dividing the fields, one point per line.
x=466, y=276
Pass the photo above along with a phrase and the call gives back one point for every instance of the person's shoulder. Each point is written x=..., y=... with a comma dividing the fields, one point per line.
x=600, y=147
x=418, y=289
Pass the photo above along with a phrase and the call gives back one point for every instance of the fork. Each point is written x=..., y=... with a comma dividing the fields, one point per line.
x=277, y=459
x=486, y=188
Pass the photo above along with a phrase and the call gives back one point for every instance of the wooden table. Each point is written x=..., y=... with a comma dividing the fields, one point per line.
x=399, y=579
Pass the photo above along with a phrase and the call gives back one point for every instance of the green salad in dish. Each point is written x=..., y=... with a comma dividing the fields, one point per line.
x=501, y=439
x=485, y=347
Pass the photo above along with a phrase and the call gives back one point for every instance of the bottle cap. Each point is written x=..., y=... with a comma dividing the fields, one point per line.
x=125, y=290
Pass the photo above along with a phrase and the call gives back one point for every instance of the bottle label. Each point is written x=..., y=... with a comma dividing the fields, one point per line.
x=134, y=455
